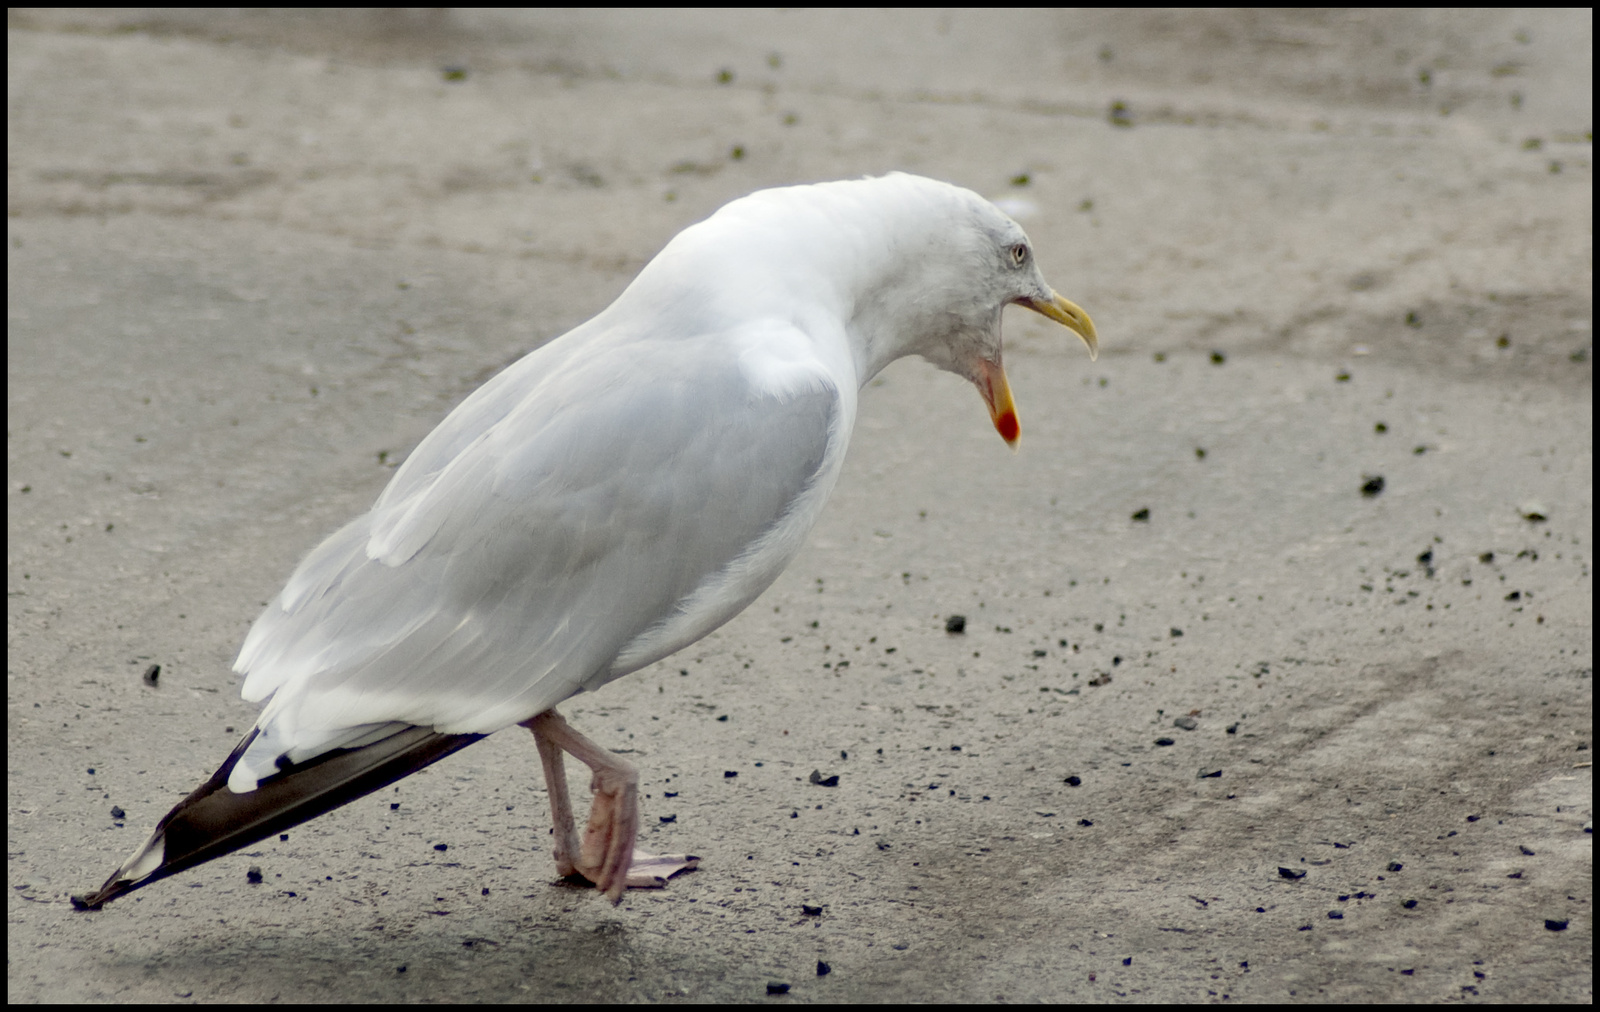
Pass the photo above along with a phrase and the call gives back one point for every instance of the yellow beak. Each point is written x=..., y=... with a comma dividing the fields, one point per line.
x=996, y=391
x=1070, y=316
x=992, y=382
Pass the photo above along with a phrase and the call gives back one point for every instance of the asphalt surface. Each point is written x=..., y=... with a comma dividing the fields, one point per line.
x=1229, y=718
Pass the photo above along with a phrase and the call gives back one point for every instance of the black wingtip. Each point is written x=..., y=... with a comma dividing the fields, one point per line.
x=213, y=820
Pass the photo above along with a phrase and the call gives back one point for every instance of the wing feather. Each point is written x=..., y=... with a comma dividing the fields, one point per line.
x=505, y=569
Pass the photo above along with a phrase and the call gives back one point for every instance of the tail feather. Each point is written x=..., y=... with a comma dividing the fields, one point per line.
x=214, y=820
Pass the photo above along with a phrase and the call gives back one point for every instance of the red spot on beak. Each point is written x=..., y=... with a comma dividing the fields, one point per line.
x=991, y=383
x=1006, y=424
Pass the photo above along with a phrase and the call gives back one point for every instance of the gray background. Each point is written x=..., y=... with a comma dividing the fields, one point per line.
x=255, y=257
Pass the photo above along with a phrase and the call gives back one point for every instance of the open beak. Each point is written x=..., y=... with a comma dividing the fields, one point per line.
x=991, y=379
x=996, y=391
x=1070, y=316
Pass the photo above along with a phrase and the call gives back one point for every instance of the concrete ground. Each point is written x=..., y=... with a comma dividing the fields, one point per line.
x=1220, y=726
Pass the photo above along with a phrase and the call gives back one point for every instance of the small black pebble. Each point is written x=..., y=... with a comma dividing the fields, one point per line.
x=1551, y=924
x=823, y=969
x=1394, y=866
x=1127, y=961
x=729, y=774
x=777, y=987
x=1073, y=781
x=1176, y=632
x=1526, y=849
x=118, y=813
x=441, y=847
x=394, y=806
x=955, y=624
x=151, y=674
x=1515, y=595
x=1290, y=873
x=1165, y=741
x=1142, y=515
x=822, y=781
x=1206, y=774
x=723, y=718
x=1373, y=485
x=668, y=818
x=1217, y=358
x=253, y=874
x=1336, y=915
x=1085, y=822
x=810, y=911
x=1409, y=904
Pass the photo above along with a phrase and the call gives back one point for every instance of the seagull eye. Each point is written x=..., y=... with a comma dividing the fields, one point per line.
x=1019, y=254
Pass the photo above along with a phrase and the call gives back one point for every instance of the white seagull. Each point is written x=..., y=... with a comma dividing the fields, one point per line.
x=607, y=500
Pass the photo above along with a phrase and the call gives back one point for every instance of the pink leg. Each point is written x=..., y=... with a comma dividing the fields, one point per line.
x=565, y=849
x=606, y=855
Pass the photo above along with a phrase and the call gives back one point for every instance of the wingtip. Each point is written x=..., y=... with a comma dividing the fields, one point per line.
x=100, y=897
x=213, y=820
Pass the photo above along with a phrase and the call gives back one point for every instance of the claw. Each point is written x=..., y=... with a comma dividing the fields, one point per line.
x=606, y=856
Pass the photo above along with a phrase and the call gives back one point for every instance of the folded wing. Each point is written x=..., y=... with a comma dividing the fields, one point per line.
x=557, y=516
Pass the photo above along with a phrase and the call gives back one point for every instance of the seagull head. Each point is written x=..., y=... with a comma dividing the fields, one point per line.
x=922, y=267
x=957, y=262
x=875, y=269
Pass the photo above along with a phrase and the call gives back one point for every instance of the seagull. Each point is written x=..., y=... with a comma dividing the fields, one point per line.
x=607, y=500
